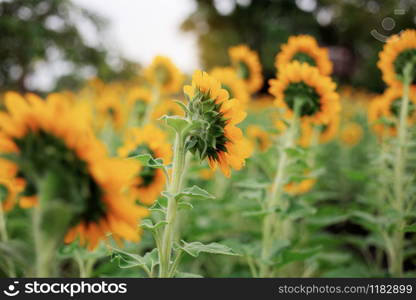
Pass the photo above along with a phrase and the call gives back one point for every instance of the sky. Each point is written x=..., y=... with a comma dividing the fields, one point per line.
x=141, y=29
x=138, y=30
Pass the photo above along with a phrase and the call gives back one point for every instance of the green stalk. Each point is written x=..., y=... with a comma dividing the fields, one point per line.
x=4, y=237
x=152, y=105
x=51, y=219
x=275, y=195
x=396, y=266
x=165, y=252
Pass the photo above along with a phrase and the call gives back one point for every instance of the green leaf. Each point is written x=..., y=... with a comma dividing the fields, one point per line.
x=185, y=205
x=148, y=161
x=195, y=248
x=194, y=192
x=130, y=260
x=291, y=256
x=183, y=106
x=148, y=224
x=261, y=213
x=410, y=228
x=295, y=152
x=176, y=122
x=187, y=275
x=299, y=210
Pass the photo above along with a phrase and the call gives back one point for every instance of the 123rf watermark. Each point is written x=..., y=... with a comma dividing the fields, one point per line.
x=71, y=289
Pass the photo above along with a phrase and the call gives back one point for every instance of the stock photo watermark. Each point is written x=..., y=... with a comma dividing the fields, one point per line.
x=389, y=26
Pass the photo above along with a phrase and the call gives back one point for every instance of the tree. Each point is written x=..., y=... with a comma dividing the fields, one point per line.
x=264, y=25
x=33, y=31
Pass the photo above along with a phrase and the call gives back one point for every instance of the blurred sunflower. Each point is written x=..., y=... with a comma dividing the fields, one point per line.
x=301, y=82
x=375, y=114
x=351, y=134
x=399, y=50
x=167, y=107
x=326, y=131
x=138, y=99
x=259, y=137
x=304, y=49
x=8, y=193
x=220, y=141
x=299, y=188
x=247, y=64
x=232, y=83
x=10, y=185
x=149, y=182
x=110, y=110
x=392, y=99
x=41, y=138
x=162, y=72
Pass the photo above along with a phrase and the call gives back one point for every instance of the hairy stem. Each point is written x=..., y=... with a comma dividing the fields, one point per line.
x=4, y=237
x=396, y=266
x=174, y=187
x=275, y=196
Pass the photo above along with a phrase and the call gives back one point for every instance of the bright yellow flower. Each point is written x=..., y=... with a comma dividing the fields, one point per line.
x=247, y=64
x=397, y=52
x=351, y=134
x=259, y=137
x=222, y=143
x=49, y=136
x=164, y=73
x=149, y=182
x=232, y=83
x=301, y=82
x=304, y=49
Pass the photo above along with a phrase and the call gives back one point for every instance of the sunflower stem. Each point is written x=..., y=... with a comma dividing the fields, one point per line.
x=396, y=259
x=152, y=105
x=275, y=194
x=58, y=214
x=174, y=187
x=4, y=237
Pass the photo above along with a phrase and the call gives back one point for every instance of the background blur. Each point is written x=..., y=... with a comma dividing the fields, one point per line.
x=48, y=45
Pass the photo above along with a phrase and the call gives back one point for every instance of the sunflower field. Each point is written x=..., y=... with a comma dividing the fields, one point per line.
x=211, y=174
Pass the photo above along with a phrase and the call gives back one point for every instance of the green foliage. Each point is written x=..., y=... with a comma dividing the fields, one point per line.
x=35, y=31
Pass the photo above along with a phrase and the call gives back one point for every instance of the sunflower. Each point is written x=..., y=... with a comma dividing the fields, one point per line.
x=399, y=50
x=167, y=108
x=10, y=185
x=304, y=49
x=351, y=134
x=232, y=83
x=248, y=67
x=220, y=141
x=149, y=182
x=392, y=99
x=138, y=99
x=42, y=138
x=110, y=109
x=375, y=113
x=326, y=132
x=259, y=137
x=301, y=82
x=162, y=72
x=9, y=191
